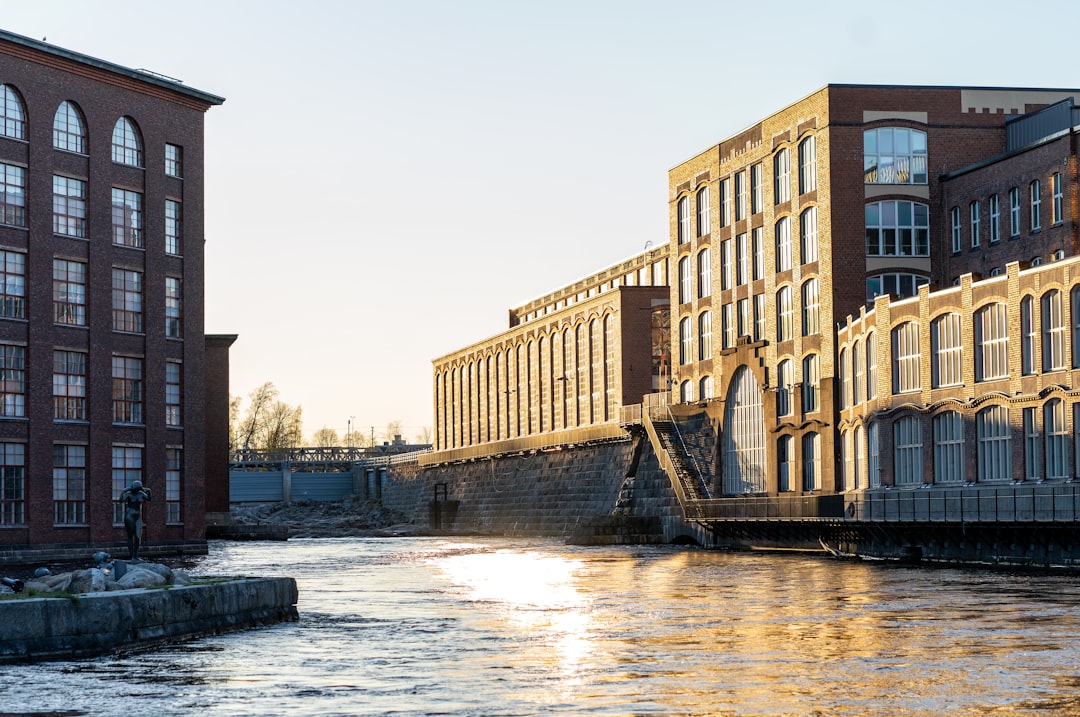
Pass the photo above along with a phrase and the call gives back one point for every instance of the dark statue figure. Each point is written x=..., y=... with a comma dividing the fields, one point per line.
x=133, y=497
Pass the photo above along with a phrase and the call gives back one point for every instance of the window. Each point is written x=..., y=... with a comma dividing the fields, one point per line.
x=808, y=165
x=785, y=460
x=757, y=200
x=12, y=484
x=705, y=335
x=173, y=305
x=173, y=227
x=995, y=218
x=857, y=369
x=1056, y=216
x=741, y=197
x=973, y=210
x=742, y=312
x=12, y=381
x=811, y=455
x=1075, y=300
x=12, y=285
x=69, y=206
x=684, y=219
x=907, y=443
x=900, y=285
x=1036, y=205
x=725, y=202
x=172, y=484
x=127, y=380
x=784, y=384
x=901, y=228
x=726, y=265
x=846, y=400
x=69, y=485
x=12, y=115
x=871, y=366
x=811, y=323
x=174, y=161
x=811, y=367
x=954, y=222
x=1053, y=331
x=783, y=244
x=781, y=176
x=127, y=300
x=686, y=341
x=702, y=200
x=727, y=321
x=742, y=260
x=1014, y=212
x=1032, y=446
x=785, y=324
x=126, y=143
x=69, y=386
x=991, y=343
x=1057, y=440
x=949, y=448
x=126, y=469
x=894, y=155
x=686, y=391
x=686, y=281
x=172, y=393
x=808, y=242
x=994, y=440
x=12, y=195
x=69, y=292
x=947, y=350
x=705, y=388
x=69, y=129
x=757, y=245
x=873, y=456
x=127, y=218
x=759, y=317
x=905, y=338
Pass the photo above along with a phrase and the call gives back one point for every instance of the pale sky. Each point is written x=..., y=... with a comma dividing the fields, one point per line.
x=386, y=179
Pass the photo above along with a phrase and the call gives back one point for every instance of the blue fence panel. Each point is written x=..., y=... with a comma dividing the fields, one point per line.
x=256, y=487
x=321, y=486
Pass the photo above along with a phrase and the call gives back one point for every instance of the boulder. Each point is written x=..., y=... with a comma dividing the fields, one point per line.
x=87, y=581
x=138, y=576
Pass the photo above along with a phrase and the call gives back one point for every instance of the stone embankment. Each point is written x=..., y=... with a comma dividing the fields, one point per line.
x=351, y=517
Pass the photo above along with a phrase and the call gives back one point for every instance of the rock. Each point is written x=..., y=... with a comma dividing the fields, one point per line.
x=138, y=576
x=87, y=581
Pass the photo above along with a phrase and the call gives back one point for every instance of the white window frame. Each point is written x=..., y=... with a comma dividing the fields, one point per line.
x=954, y=222
x=991, y=342
x=1053, y=331
x=947, y=349
x=907, y=451
x=785, y=314
x=808, y=236
x=976, y=239
x=949, y=460
x=1057, y=440
x=705, y=335
x=808, y=165
x=704, y=272
x=702, y=201
x=1032, y=444
x=1036, y=205
x=811, y=365
x=1014, y=212
x=811, y=315
x=906, y=363
x=994, y=203
x=782, y=176
x=994, y=441
x=1056, y=206
x=683, y=218
x=783, y=244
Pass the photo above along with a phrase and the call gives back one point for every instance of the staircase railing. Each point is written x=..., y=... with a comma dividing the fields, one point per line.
x=691, y=508
x=702, y=483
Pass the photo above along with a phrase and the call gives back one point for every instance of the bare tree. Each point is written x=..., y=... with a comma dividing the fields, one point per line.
x=269, y=424
x=325, y=438
x=234, y=420
x=393, y=429
x=284, y=427
x=424, y=436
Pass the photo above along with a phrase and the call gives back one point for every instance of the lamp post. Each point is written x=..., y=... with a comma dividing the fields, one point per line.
x=348, y=434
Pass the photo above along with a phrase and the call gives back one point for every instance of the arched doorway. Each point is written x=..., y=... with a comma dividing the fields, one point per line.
x=744, y=436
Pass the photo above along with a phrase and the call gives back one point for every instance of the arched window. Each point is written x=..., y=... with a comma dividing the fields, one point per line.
x=781, y=176
x=994, y=444
x=744, y=460
x=907, y=446
x=991, y=343
x=811, y=323
x=811, y=378
x=126, y=143
x=1057, y=440
x=785, y=462
x=783, y=244
x=845, y=380
x=857, y=371
x=785, y=316
x=12, y=114
x=873, y=456
x=808, y=241
x=686, y=341
x=1053, y=328
x=949, y=448
x=705, y=386
x=703, y=212
x=1027, y=336
x=811, y=456
x=704, y=272
x=705, y=335
x=686, y=391
x=69, y=129
x=686, y=280
x=684, y=219
x=1075, y=311
x=871, y=366
x=946, y=348
x=894, y=155
x=808, y=165
x=905, y=338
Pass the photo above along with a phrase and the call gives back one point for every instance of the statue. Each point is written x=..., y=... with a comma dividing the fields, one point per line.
x=133, y=497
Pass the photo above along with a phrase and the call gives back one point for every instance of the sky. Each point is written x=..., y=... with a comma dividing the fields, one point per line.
x=387, y=178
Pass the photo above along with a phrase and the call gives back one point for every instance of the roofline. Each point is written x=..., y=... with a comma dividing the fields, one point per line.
x=139, y=75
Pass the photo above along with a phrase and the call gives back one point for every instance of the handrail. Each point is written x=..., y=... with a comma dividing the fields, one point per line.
x=697, y=469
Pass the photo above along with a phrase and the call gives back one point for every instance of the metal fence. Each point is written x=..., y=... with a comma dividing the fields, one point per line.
x=1041, y=503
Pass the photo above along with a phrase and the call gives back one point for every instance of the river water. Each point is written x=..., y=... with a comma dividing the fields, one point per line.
x=493, y=627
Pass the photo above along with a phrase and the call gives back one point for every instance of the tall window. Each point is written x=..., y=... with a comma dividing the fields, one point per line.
x=1075, y=302
x=727, y=265
x=173, y=483
x=12, y=484
x=973, y=211
x=759, y=317
x=1036, y=206
x=12, y=195
x=811, y=367
x=705, y=388
x=956, y=229
x=69, y=292
x=12, y=381
x=811, y=455
x=12, y=115
x=127, y=300
x=686, y=280
x=846, y=400
x=1056, y=208
x=808, y=165
x=894, y=155
x=742, y=260
x=69, y=485
x=757, y=198
x=69, y=206
x=126, y=143
x=811, y=322
x=757, y=247
x=705, y=335
x=785, y=376
x=127, y=218
x=785, y=462
x=727, y=325
x=1032, y=445
x=907, y=446
x=683, y=208
x=12, y=285
x=949, y=448
x=126, y=469
x=1014, y=212
x=1057, y=440
x=785, y=315
x=873, y=456
x=174, y=161
x=686, y=391
x=725, y=202
x=742, y=312
x=172, y=393
x=686, y=341
x=173, y=308
x=173, y=227
x=905, y=339
x=995, y=218
x=69, y=129
x=808, y=241
x=991, y=343
x=781, y=176
x=995, y=454
x=783, y=244
x=857, y=366
x=127, y=389
x=871, y=366
x=704, y=269
x=69, y=386
x=702, y=201
x=742, y=199
x=1053, y=331
x=947, y=347
x=898, y=228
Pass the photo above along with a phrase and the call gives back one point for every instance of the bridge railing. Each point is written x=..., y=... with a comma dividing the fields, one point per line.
x=1036, y=503
x=778, y=508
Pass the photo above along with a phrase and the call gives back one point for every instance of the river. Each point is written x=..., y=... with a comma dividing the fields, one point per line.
x=500, y=627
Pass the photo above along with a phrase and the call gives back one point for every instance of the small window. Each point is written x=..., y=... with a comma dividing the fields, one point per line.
x=174, y=161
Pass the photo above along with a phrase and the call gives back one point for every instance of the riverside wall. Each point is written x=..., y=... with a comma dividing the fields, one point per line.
x=99, y=623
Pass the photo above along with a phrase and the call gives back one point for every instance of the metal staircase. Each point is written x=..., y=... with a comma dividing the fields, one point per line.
x=682, y=469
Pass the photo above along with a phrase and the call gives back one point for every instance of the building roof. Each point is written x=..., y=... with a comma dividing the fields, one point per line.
x=145, y=76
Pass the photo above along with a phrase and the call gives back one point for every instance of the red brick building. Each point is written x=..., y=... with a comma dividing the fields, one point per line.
x=102, y=344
